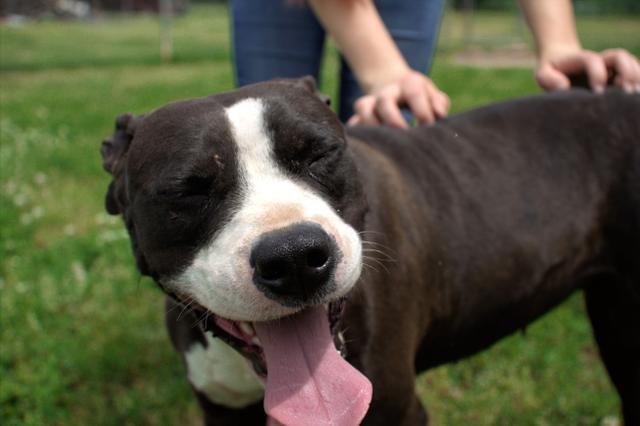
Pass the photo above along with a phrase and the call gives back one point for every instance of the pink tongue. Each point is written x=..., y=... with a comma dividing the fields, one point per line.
x=308, y=382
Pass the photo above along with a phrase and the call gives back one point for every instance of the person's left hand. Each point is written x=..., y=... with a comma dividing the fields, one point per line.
x=555, y=68
x=413, y=90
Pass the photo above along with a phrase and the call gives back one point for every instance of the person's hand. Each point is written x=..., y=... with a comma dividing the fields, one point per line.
x=554, y=69
x=413, y=90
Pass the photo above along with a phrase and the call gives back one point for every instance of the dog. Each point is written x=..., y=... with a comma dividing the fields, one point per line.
x=313, y=270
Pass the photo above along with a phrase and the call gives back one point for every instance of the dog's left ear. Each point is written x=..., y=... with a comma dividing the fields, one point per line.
x=309, y=82
x=115, y=146
x=113, y=150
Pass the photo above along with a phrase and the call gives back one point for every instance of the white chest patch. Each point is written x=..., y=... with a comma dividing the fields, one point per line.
x=222, y=374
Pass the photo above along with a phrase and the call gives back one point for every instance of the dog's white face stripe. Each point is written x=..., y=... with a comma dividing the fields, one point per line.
x=220, y=278
x=254, y=147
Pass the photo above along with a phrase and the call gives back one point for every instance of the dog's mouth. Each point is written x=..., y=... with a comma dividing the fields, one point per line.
x=300, y=358
x=242, y=335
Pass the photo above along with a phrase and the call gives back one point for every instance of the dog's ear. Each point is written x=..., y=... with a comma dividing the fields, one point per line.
x=113, y=150
x=115, y=146
x=309, y=82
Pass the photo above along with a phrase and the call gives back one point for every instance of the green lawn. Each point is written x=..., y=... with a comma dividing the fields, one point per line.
x=82, y=339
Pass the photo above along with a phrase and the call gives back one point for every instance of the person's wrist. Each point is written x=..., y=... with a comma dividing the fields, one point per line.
x=558, y=50
x=379, y=77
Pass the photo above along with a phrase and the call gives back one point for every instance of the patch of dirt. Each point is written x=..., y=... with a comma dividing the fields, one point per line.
x=515, y=56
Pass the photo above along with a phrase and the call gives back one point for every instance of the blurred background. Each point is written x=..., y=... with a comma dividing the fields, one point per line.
x=82, y=339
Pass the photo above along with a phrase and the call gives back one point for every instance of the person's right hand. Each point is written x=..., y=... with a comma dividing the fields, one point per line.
x=413, y=90
x=555, y=68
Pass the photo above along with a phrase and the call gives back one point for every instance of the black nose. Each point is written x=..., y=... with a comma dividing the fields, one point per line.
x=295, y=263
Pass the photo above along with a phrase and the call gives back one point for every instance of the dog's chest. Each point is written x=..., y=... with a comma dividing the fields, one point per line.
x=222, y=374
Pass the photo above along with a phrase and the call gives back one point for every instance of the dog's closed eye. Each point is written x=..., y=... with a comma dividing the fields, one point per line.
x=197, y=185
x=193, y=192
x=329, y=154
x=322, y=165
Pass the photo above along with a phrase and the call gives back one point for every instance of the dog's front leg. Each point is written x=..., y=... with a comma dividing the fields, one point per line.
x=395, y=401
x=217, y=415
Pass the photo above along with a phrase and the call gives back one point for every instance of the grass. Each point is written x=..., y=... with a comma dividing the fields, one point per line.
x=497, y=29
x=82, y=339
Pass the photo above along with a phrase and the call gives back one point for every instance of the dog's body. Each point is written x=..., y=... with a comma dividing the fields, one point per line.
x=471, y=229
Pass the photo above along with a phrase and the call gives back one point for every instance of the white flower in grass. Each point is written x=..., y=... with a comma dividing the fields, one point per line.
x=20, y=199
x=79, y=272
x=10, y=187
x=69, y=229
x=26, y=219
x=40, y=178
x=37, y=212
x=610, y=420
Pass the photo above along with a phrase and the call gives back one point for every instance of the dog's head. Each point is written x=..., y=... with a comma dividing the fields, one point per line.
x=246, y=206
x=245, y=203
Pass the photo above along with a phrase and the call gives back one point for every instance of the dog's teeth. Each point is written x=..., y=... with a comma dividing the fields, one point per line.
x=256, y=341
x=246, y=328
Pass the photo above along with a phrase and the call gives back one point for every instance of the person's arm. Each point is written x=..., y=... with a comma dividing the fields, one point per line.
x=560, y=54
x=382, y=72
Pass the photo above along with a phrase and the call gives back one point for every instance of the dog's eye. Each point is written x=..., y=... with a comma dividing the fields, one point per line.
x=322, y=167
x=191, y=191
x=197, y=186
x=327, y=156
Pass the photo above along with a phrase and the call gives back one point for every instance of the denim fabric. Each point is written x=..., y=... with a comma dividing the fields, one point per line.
x=283, y=38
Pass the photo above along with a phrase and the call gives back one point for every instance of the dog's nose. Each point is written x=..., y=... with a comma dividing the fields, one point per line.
x=294, y=262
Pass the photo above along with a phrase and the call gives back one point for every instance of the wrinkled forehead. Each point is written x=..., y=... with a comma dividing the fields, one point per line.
x=287, y=109
x=180, y=138
x=287, y=114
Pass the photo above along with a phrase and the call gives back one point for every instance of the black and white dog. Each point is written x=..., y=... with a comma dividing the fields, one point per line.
x=324, y=267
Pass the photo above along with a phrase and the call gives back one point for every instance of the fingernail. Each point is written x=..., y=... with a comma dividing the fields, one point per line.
x=628, y=87
x=598, y=89
x=638, y=88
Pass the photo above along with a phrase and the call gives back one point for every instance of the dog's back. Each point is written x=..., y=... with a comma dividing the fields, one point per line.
x=505, y=211
x=509, y=208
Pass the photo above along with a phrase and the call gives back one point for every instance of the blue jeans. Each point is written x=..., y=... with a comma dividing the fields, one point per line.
x=274, y=38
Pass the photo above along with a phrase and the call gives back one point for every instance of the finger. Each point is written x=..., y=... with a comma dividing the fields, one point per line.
x=439, y=100
x=624, y=66
x=550, y=78
x=388, y=112
x=416, y=96
x=637, y=79
x=365, y=109
x=596, y=70
x=354, y=120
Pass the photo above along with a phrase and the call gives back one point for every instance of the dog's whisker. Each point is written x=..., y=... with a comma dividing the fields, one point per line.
x=371, y=267
x=374, y=255
x=370, y=232
x=387, y=257
x=201, y=320
x=179, y=304
x=206, y=319
x=376, y=261
x=372, y=242
x=376, y=244
x=186, y=308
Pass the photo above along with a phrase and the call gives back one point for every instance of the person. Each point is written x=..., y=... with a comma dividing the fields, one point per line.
x=387, y=47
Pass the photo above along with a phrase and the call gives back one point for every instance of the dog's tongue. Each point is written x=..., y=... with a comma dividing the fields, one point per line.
x=308, y=382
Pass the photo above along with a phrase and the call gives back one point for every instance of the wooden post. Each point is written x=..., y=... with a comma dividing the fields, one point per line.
x=467, y=11
x=166, y=43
